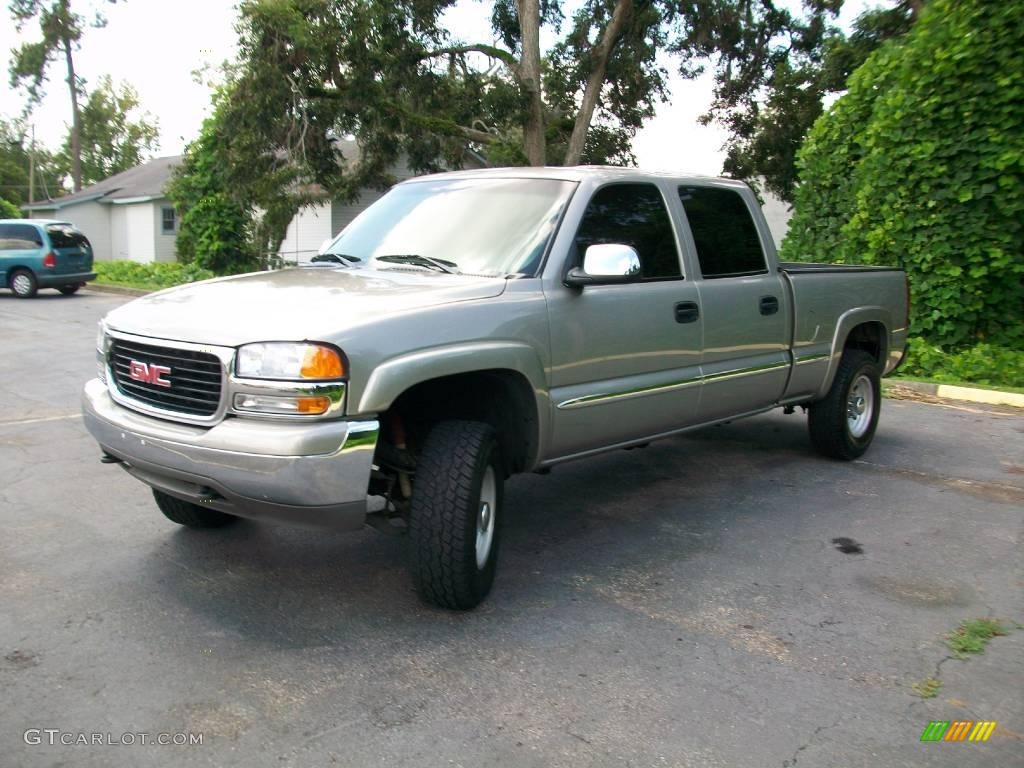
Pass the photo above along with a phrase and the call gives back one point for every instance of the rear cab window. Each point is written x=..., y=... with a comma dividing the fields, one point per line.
x=632, y=214
x=65, y=236
x=19, y=237
x=724, y=232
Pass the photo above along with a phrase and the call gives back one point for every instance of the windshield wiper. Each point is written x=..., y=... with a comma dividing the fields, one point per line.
x=441, y=265
x=336, y=258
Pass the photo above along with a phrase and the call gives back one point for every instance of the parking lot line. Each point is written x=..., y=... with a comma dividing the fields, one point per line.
x=20, y=422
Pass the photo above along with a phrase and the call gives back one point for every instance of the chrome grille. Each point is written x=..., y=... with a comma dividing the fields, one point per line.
x=195, y=377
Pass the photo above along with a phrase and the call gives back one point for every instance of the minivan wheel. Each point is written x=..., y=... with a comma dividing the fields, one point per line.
x=68, y=290
x=455, y=518
x=23, y=283
x=843, y=424
x=190, y=515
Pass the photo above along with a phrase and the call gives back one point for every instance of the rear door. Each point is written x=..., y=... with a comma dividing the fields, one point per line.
x=72, y=248
x=21, y=245
x=745, y=363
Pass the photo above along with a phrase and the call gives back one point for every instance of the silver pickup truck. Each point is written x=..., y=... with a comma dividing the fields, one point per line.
x=473, y=325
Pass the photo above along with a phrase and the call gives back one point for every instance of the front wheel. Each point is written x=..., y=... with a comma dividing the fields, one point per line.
x=843, y=424
x=456, y=514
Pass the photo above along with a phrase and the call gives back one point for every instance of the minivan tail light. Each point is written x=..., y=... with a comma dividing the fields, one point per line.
x=50, y=260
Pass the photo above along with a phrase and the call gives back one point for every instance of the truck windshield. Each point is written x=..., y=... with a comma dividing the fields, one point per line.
x=492, y=227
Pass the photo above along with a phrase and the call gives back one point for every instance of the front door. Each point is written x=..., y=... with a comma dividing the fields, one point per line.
x=625, y=358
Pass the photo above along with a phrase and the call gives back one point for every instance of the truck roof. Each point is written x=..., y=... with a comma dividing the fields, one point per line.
x=578, y=173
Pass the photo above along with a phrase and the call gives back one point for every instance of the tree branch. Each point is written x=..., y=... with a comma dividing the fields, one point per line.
x=488, y=50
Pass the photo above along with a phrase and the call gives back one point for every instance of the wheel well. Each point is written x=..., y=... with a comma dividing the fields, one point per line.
x=12, y=269
x=871, y=338
x=502, y=398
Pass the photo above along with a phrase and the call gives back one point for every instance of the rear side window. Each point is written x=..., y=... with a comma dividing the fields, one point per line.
x=723, y=231
x=18, y=237
x=66, y=237
x=634, y=215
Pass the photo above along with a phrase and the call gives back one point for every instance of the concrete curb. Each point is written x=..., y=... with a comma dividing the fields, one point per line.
x=951, y=392
x=118, y=289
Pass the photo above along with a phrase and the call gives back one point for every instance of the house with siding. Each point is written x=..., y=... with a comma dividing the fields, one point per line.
x=129, y=217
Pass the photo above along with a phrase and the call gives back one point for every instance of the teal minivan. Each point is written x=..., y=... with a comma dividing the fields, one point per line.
x=42, y=253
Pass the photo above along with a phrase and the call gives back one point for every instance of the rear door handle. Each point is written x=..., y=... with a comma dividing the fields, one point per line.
x=769, y=305
x=687, y=312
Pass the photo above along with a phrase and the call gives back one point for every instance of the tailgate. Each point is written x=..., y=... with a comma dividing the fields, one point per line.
x=72, y=249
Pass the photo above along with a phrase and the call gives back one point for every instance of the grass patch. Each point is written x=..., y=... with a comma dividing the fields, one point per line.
x=148, y=277
x=927, y=688
x=973, y=635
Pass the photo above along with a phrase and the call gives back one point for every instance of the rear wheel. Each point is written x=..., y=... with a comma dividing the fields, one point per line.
x=68, y=290
x=843, y=424
x=24, y=283
x=456, y=514
x=190, y=515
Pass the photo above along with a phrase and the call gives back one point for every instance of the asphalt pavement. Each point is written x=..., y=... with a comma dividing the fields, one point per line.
x=681, y=605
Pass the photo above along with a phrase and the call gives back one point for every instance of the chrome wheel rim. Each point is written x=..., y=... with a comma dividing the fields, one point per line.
x=485, y=518
x=860, y=406
x=21, y=284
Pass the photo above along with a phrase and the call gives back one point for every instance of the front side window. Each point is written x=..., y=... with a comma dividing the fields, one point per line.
x=168, y=220
x=489, y=227
x=19, y=237
x=633, y=215
x=723, y=231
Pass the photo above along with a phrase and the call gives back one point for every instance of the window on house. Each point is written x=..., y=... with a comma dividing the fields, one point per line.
x=169, y=220
x=634, y=215
x=723, y=231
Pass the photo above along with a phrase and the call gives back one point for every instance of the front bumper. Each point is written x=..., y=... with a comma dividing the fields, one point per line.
x=313, y=474
x=47, y=280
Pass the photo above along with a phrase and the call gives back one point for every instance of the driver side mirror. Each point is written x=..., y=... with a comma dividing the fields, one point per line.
x=605, y=264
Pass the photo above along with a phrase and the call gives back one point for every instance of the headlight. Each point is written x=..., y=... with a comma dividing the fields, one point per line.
x=289, y=361
x=101, y=351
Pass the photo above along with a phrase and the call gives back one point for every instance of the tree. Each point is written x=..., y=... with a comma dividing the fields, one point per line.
x=388, y=73
x=921, y=164
x=111, y=140
x=61, y=30
x=14, y=166
x=768, y=110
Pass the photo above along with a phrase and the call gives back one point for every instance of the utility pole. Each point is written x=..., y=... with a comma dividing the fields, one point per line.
x=32, y=171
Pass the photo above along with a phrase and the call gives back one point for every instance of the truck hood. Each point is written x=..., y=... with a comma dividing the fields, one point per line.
x=291, y=305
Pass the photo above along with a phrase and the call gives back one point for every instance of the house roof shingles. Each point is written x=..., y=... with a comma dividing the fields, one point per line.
x=143, y=181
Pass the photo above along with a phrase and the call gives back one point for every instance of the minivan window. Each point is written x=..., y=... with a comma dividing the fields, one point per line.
x=19, y=237
x=723, y=231
x=634, y=215
x=66, y=237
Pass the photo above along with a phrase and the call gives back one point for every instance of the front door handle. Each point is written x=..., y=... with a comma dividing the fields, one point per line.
x=687, y=312
x=769, y=305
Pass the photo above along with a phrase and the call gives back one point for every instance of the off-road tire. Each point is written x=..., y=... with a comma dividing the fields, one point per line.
x=827, y=420
x=443, y=519
x=190, y=515
x=28, y=280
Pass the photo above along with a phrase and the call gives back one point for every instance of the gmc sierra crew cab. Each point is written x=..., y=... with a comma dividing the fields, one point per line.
x=473, y=325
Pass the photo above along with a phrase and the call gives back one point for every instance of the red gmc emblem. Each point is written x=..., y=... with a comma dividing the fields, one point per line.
x=149, y=373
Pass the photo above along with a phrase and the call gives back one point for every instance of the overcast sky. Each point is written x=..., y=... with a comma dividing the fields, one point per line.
x=156, y=45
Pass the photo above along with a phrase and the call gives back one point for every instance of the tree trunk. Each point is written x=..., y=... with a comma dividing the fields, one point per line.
x=76, y=120
x=595, y=82
x=529, y=81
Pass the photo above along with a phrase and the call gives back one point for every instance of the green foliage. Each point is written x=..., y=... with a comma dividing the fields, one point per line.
x=152, y=276
x=921, y=164
x=986, y=364
x=9, y=210
x=973, y=635
x=216, y=225
x=111, y=140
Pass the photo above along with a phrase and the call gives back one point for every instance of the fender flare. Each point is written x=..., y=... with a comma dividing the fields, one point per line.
x=844, y=326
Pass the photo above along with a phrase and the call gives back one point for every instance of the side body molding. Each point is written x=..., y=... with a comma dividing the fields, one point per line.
x=846, y=323
x=392, y=377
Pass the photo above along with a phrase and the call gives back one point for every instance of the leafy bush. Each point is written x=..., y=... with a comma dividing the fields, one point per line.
x=153, y=275
x=921, y=164
x=981, y=364
x=9, y=210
